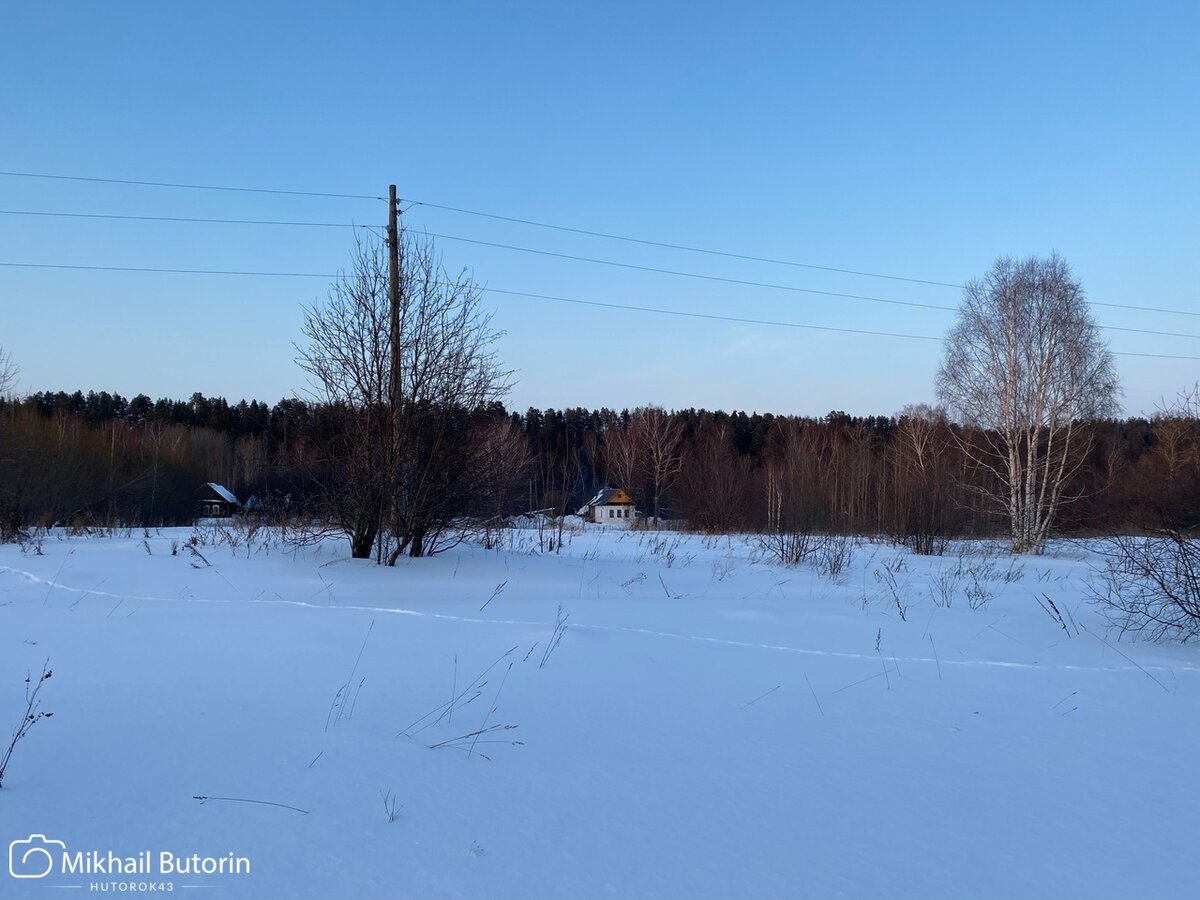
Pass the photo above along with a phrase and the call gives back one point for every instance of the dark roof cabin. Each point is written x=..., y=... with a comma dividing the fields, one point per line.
x=215, y=501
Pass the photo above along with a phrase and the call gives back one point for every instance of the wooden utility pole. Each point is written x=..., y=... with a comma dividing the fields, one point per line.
x=393, y=246
x=391, y=430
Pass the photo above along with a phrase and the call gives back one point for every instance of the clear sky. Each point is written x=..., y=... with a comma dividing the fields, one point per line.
x=912, y=139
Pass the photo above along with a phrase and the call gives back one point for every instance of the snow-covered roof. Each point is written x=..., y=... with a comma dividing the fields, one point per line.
x=223, y=492
x=607, y=495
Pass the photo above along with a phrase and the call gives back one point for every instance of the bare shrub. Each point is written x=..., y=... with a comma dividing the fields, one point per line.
x=944, y=586
x=662, y=547
x=833, y=553
x=897, y=589
x=30, y=541
x=972, y=576
x=1150, y=586
x=1014, y=573
x=829, y=554
x=723, y=568
x=927, y=543
x=788, y=548
x=978, y=594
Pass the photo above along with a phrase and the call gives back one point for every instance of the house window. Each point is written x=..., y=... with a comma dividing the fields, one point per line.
x=610, y=513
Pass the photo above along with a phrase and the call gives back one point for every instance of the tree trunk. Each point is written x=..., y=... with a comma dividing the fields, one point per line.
x=362, y=541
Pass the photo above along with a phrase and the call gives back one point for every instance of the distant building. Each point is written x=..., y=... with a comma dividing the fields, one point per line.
x=216, y=502
x=612, y=506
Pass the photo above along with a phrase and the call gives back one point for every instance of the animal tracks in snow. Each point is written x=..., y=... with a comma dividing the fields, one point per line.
x=584, y=626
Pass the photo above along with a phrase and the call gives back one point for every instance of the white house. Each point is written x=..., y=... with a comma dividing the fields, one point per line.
x=612, y=506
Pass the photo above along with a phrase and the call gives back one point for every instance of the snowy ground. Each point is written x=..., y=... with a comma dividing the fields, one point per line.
x=711, y=725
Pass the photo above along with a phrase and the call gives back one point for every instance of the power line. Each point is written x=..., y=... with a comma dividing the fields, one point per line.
x=1180, y=334
x=1157, y=309
x=761, y=284
x=682, y=274
x=546, y=297
x=450, y=237
x=494, y=216
x=570, y=229
x=718, y=318
x=771, y=260
x=14, y=265
x=278, y=222
x=748, y=321
x=766, y=259
x=445, y=237
x=194, y=187
x=669, y=246
x=75, y=215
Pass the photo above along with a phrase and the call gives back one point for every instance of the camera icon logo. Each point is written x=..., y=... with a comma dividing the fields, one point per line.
x=33, y=857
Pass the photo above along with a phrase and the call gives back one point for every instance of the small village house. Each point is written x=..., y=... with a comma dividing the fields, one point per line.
x=611, y=506
x=215, y=501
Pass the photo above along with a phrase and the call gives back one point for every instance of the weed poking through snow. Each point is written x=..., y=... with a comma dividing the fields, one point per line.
x=32, y=715
x=390, y=807
x=205, y=799
x=474, y=689
x=495, y=593
x=348, y=692
x=560, y=628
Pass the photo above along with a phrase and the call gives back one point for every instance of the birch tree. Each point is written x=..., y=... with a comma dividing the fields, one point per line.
x=1026, y=368
x=658, y=437
x=623, y=458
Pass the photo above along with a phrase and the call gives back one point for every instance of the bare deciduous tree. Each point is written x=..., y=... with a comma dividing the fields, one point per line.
x=501, y=458
x=1025, y=365
x=920, y=480
x=8, y=373
x=1177, y=444
x=393, y=471
x=714, y=480
x=793, y=471
x=624, y=461
x=1150, y=586
x=658, y=437
x=347, y=357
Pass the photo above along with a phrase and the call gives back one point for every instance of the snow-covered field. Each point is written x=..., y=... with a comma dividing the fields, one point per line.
x=709, y=725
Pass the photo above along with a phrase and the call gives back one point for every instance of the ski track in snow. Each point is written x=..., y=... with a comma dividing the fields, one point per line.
x=841, y=654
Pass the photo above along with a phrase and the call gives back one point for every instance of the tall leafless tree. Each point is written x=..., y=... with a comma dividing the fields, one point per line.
x=8, y=373
x=392, y=470
x=623, y=459
x=658, y=438
x=1026, y=366
x=714, y=480
x=920, y=479
x=347, y=357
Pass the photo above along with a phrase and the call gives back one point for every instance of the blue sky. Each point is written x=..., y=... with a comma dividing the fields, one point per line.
x=914, y=139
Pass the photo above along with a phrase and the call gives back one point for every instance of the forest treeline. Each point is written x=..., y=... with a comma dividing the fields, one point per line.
x=99, y=458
